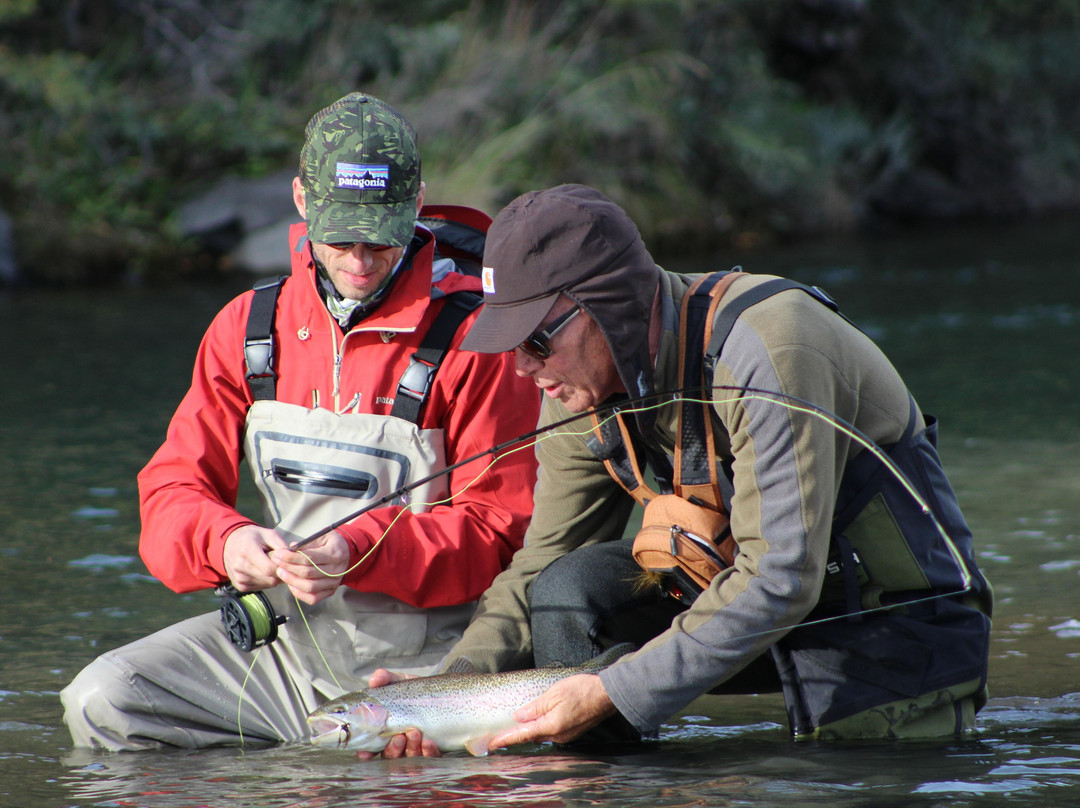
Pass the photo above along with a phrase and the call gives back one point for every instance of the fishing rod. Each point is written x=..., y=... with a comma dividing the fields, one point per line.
x=251, y=622
x=790, y=402
x=249, y=617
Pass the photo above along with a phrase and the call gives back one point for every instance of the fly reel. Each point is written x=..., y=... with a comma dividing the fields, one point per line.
x=248, y=617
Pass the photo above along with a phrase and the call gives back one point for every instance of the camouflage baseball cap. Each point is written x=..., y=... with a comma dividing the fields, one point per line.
x=360, y=170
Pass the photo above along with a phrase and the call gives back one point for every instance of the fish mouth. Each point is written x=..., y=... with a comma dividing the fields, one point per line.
x=328, y=732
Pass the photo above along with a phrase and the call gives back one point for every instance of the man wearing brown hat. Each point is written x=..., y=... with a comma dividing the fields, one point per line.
x=343, y=388
x=798, y=533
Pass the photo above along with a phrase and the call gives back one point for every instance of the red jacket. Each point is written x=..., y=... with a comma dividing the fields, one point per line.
x=444, y=557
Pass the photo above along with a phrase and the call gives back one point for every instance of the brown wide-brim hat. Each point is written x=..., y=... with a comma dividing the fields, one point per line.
x=569, y=240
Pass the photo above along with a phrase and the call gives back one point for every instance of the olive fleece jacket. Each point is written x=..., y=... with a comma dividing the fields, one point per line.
x=787, y=466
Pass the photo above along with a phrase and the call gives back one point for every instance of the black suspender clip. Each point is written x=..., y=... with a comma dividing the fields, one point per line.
x=259, y=339
x=416, y=380
x=259, y=358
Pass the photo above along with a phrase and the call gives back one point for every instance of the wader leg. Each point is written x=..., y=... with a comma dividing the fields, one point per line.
x=181, y=687
x=187, y=686
x=799, y=720
x=940, y=714
x=585, y=602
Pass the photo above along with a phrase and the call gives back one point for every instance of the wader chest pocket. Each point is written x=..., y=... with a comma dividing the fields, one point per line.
x=324, y=479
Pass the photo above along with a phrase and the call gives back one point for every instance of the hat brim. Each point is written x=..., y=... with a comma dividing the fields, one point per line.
x=501, y=328
x=331, y=222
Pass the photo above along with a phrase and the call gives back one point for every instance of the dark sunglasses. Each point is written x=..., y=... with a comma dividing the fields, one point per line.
x=538, y=344
x=345, y=246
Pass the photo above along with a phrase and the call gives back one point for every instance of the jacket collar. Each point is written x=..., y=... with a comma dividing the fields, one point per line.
x=404, y=307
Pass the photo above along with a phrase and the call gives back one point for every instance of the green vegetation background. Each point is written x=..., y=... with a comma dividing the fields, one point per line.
x=711, y=121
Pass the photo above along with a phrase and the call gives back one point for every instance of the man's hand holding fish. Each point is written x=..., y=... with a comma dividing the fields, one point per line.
x=565, y=710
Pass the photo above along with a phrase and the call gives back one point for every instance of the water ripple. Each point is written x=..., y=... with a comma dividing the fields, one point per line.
x=100, y=561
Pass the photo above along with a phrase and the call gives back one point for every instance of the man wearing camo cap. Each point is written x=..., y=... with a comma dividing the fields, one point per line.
x=327, y=385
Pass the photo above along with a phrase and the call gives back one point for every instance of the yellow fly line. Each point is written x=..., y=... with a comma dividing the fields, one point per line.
x=739, y=394
x=745, y=394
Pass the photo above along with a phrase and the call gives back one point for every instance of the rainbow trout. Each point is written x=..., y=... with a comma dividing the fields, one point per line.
x=456, y=710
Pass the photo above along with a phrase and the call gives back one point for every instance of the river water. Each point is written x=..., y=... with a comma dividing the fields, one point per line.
x=983, y=322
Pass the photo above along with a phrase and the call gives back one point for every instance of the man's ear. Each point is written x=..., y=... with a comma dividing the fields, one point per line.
x=298, y=197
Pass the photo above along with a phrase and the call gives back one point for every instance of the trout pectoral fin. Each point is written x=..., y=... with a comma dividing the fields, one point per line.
x=479, y=745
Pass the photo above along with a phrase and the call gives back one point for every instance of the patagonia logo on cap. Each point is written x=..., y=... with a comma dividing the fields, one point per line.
x=487, y=279
x=362, y=176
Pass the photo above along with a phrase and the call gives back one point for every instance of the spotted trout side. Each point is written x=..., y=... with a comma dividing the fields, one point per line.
x=455, y=710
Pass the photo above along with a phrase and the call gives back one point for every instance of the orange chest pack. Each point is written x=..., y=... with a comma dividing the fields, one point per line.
x=685, y=539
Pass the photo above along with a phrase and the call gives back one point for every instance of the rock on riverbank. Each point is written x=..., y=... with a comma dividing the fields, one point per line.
x=244, y=222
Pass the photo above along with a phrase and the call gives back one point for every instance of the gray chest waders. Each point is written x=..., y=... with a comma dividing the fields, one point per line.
x=313, y=468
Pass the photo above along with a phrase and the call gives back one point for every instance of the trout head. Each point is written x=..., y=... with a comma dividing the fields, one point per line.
x=353, y=721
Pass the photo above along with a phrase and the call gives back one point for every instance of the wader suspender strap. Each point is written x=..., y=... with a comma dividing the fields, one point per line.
x=697, y=478
x=415, y=382
x=612, y=442
x=609, y=443
x=259, y=339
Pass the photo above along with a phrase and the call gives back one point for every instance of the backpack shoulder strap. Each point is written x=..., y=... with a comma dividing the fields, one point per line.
x=702, y=334
x=259, y=338
x=613, y=444
x=415, y=383
x=723, y=324
x=460, y=234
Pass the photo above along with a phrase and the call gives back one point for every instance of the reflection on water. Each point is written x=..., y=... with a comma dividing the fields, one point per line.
x=1028, y=753
x=975, y=321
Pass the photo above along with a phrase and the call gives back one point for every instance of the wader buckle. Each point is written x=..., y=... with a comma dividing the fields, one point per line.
x=259, y=358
